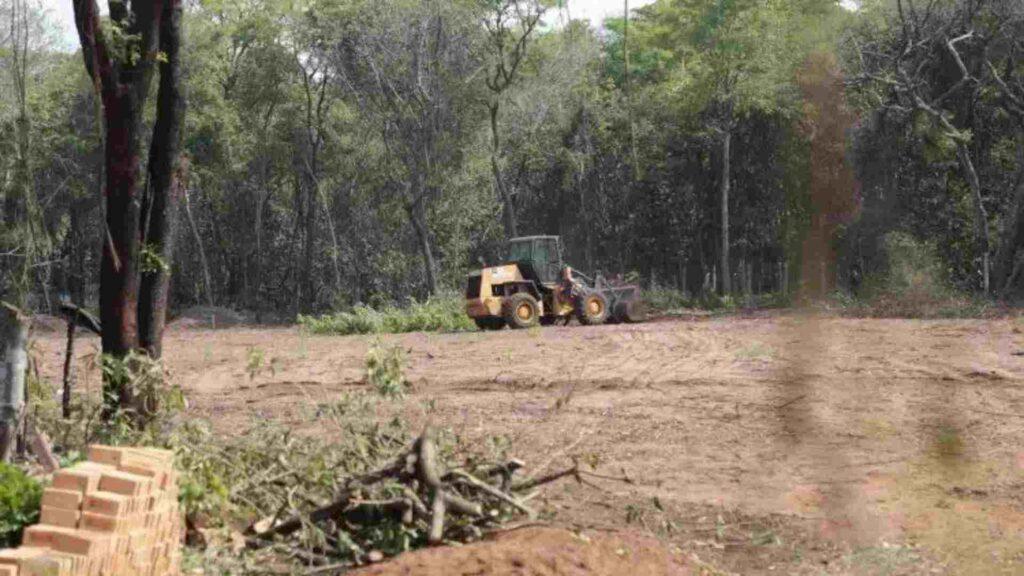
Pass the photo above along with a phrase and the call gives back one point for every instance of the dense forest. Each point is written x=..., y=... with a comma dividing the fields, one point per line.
x=337, y=152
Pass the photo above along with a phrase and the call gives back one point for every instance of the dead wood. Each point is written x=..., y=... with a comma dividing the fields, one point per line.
x=446, y=505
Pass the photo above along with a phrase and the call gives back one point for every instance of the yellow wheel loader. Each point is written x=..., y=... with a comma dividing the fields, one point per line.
x=534, y=286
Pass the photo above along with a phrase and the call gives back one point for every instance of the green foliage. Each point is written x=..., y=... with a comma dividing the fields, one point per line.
x=256, y=363
x=384, y=366
x=150, y=261
x=665, y=300
x=443, y=314
x=19, y=503
x=146, y=382
x=914, y=284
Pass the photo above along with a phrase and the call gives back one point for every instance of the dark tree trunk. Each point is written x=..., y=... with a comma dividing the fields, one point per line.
x=723, y=189
x=1012, y=235
x=119, y=264
x=167, y=177
x=309, y=230
x=123, y=85
x=69, y=369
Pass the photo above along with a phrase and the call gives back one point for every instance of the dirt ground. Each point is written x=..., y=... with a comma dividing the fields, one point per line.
x=542, y=552
x=761, y=445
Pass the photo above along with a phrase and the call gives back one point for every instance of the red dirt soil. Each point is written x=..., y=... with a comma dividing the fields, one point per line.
x=542, y=552
x=764, y=445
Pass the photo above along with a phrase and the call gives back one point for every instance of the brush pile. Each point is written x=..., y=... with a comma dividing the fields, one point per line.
x=414, y=500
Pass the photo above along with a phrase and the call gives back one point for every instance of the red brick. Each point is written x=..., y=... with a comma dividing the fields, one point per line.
x=82, y=479
x=108, y=455
x=14, y=556
x=107, y=504
x=59, y=517
x=63, y=499
x=125, y=483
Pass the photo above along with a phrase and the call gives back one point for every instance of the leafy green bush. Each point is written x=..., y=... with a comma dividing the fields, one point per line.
x=443, y=314
x=384, y=366
x=662, y=300
x=19, y=503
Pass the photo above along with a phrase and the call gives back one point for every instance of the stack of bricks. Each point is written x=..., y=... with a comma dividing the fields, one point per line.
x=114, y=515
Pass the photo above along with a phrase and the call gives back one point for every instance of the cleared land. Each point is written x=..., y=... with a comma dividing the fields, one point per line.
x=769, y=444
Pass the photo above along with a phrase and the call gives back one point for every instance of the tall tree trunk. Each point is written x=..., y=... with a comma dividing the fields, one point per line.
x=1011, y=239
x=980, y=214
x=418, y=219
x=207, y=280
x=429, y=266
x=258, y=231
x=308, y=227
x=119, y=263
x=167, y=177
x=335, y=244
x=723, y=189
x=507, y=209
x=123, y=85
x=13, y=363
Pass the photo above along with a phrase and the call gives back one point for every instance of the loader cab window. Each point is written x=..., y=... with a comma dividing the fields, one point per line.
x=543, y=254
x=519, y=251
x=549, y=259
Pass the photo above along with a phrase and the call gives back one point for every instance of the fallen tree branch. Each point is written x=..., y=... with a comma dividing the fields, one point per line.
x=529, y=484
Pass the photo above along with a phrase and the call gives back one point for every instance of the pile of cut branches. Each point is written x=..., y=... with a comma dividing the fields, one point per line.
x=416, y=496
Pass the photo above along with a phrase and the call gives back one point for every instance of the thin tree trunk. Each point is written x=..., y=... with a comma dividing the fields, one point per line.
x=724, y=198
x=199, y=246
x=309, y=225
x=507, y=209
x=167, y=176
x=428, y=256
x=258, y=230
x=335, y=245
x=980, y=214
x=69, y=368
x=13, y=363
x=418, y=218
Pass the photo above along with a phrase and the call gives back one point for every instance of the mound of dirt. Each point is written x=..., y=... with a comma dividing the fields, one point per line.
x=209, y=317
x=541, y=552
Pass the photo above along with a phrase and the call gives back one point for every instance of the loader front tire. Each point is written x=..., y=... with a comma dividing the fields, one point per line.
x=592, y=309
x=521, y=311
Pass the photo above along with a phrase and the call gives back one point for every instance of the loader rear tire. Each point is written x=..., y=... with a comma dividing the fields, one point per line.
x=521, y=311
x=592, y=309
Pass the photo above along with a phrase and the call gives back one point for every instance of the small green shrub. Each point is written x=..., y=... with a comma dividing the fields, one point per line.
x=384, y=367
x=662, y=300
x=719, y=302
x=19, y=503
x=443, y=314
x=145, y=377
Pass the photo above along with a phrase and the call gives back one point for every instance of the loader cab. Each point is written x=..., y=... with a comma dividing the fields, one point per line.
x=537, y=255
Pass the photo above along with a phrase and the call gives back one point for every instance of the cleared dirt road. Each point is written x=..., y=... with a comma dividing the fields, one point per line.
x=774, y=444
